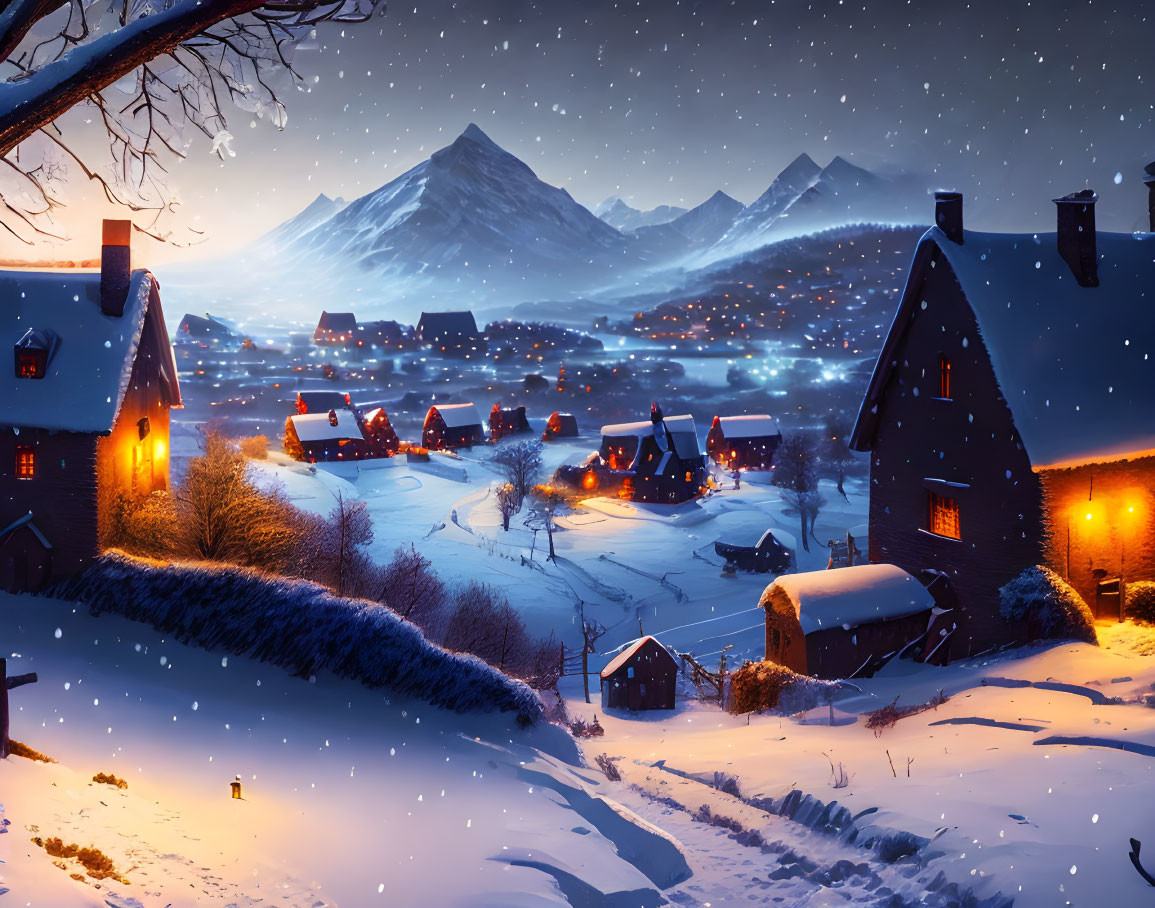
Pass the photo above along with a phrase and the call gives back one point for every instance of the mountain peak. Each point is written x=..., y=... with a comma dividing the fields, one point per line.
x=804, y=160
x=720, y=196
x=474, y=132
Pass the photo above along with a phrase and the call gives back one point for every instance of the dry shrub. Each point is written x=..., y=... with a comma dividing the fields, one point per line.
x=255, y=447
x=107, y=778
x=889, y=715
x=1141, y=601
x=143, y=524
x=98, y=865
x=18, y=749
x=768, y=685
x=1051, y=608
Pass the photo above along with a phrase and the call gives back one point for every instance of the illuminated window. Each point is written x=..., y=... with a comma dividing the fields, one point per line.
x=31, y=353
x=25, y=462
x=944, y=377
x=944, y=519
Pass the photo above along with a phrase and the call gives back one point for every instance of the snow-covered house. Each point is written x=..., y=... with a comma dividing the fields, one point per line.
x=642, y=676
x=1009, y=417
x=449, y=426
x=743, y=442
x=845, y=622
x=84, y=410
x=560, y=425
x=336, y=328
x=505, y=421
x=658, y=460
x=206, y=332
x=451, y=333
x=323, y=401
x=332, y=436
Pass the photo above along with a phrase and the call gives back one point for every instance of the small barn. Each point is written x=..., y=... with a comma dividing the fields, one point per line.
x=560, y=425
x=642, y=676
x=846, y=622
x=505, y=421
x=743, y=442
x=323, y=401
x=659, y=460
x=451, y=333
x=765, y=555
x=206, y=333
x=336, y=328
x=449, y=426
x=322, y=437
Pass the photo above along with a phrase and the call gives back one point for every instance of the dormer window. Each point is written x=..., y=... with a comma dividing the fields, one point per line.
x=944, y=377
x=31, y=353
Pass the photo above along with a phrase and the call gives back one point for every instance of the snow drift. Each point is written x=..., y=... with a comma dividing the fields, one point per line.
x=298, y=626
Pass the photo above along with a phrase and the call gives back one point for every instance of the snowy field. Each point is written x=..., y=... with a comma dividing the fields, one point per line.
x=629, y=563
x=1029, y=781
x=350, y=798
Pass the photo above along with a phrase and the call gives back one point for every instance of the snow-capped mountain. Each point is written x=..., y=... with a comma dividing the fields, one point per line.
x=471, y=213
x=709, y=221
x=314, y=214
x=805, y=198
x=622, y=217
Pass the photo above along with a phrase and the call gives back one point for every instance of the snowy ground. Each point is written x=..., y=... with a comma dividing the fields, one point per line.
x=1033, y=791
x=349, y=798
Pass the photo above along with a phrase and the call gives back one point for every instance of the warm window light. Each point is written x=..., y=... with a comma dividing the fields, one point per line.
x=944, y=516
x=1088, y=515
x=25, y=462
x=158, y=448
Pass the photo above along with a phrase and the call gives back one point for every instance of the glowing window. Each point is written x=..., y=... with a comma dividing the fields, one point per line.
x=944, y=377
x=25, y=462
x=944, y=517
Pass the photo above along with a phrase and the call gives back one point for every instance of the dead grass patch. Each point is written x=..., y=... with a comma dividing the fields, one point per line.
x=19, y=749
x=94, y=861
x=107, y=778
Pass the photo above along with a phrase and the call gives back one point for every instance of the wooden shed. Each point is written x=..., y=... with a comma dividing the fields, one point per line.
x=449, y=426
x=642, y=676
x=506, y=421
x=846, y=622
x=743, y=442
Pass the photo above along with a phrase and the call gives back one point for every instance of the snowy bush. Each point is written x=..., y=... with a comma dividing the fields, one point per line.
x=255, y=447
x=298, y=626
x=1050, y=607
x=1141, y=601
x=768, y=685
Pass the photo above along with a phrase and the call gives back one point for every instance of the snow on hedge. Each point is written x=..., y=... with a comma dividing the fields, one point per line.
x=298, y=626
x=1051, y=607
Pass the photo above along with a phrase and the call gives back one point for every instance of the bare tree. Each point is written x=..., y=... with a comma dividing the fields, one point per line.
x=520, y=464
x=835, y=451
x=548, y=500
x=796, y=473
x=592, y=631
x=411, y=588
x=506, y=501
x=482, y=622
x=348, y=530
x=150, y=73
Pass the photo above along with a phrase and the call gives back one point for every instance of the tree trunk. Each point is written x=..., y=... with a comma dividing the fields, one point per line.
x=505, y=522
x=802, y=519
x=586, y=668
x=552, y=555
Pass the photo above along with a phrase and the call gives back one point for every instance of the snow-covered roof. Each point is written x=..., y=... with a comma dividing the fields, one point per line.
x=628, y=653
x=681, y=429
x=1075, y=364
x=457, y=415
x=852, y=596
x=317, y=427
x=89, y=371
x=753, y=426
x=624, y=429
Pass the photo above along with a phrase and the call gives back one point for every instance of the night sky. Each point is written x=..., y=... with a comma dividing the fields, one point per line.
x=1012, y=102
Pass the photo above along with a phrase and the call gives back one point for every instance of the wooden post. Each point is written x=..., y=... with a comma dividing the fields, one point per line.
x=586, y=670
x=4, y=747
x=849, y=549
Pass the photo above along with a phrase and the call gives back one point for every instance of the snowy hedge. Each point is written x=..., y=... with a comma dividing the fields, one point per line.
x=1051, y=608
x=298, y=626
x=768, y=685
x=1141, y=601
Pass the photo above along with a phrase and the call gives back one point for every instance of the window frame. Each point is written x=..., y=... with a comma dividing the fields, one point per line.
x=25, y=462
x=943, y=515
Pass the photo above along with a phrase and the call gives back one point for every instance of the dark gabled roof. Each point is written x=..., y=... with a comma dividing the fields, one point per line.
x=441, y=323
x=1075, y=364
x=340, y=322
x=90, y=370
x=195, y=326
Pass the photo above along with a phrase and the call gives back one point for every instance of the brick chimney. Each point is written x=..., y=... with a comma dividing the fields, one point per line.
x=1149, y=179
x=1076, y=235
x=948, y=214
x=115, y=267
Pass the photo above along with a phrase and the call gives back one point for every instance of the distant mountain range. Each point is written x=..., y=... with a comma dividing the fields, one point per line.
x=475, y=221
